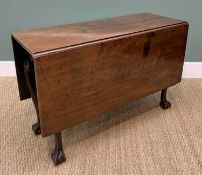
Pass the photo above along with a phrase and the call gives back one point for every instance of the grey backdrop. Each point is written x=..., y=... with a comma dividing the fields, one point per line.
x=22, y=14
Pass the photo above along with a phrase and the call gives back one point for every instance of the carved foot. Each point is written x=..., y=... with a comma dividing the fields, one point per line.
x=58, y=155
x=36, y=128
x=165, y=104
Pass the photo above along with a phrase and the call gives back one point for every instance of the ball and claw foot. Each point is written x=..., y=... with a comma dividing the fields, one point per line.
x=58, y=157
x=165, y=104
x=36, y=128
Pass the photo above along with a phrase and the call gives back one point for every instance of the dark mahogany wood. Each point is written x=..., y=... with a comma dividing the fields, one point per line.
x=79, y=71
x=51, y=38
x=81, y=83
x=58, y=155
x=36, y=128
x=31, y=83
x=20, y=54
x=165, y=104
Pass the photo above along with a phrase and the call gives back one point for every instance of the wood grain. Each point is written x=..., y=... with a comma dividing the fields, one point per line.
x=78, y=84
x=51, y=38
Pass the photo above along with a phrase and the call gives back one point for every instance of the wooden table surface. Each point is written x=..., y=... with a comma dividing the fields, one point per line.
x=36, y=41
x=83, y=70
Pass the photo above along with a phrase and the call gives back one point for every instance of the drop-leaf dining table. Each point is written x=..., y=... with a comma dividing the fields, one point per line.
x=78, y=71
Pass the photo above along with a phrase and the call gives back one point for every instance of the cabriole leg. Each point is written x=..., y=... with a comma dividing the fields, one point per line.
x=165, y=104
x=30, y=80
x=58, y=155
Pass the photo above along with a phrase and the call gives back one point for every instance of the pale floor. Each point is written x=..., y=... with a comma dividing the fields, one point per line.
x=138, y=138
